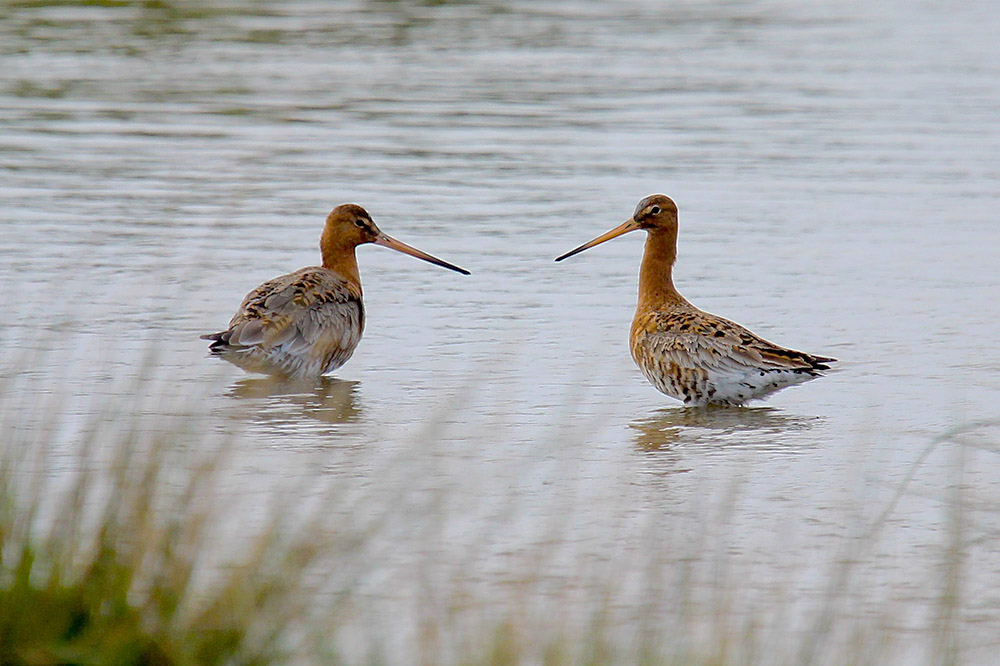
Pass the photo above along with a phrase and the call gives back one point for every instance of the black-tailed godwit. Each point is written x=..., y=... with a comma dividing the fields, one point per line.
x=308, y=323
x=687, y=353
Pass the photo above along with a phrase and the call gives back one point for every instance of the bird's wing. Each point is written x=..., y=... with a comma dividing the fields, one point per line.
x=309, y=309
x=697, y=339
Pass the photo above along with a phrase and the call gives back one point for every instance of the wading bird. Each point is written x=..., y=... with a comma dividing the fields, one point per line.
x=308, y=323
x=687, y=353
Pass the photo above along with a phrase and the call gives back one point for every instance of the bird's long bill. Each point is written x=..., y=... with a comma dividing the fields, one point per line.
x=623, y=228
x=390, y=242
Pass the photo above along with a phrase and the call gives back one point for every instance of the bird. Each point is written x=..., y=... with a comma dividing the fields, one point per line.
x=689, y=354
x=309, y=322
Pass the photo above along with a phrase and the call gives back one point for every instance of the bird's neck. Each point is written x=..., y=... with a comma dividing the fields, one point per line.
x=341, y=259
x=656, y=282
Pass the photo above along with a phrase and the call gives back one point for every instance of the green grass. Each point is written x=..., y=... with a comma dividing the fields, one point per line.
x=113, y=557
x=110, y=569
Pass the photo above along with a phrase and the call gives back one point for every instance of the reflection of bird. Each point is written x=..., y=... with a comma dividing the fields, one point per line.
x=757, y=427
x=328, y=400
x=685, y=352
x=307, y=323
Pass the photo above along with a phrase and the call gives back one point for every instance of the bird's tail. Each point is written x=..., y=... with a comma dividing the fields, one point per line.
x=220, y=341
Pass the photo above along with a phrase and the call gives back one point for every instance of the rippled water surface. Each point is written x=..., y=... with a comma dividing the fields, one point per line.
x=836, y=169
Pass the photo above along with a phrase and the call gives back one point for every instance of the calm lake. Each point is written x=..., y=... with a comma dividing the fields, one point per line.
x=837, y=173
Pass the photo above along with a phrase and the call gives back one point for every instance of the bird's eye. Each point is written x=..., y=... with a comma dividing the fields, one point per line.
x=359, y=223
x=655, y=210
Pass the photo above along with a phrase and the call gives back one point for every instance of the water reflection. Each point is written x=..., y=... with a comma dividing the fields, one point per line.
x=282, y=403
x=755, y=427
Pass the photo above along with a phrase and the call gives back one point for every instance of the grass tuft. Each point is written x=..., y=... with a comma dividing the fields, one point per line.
x=114, y=558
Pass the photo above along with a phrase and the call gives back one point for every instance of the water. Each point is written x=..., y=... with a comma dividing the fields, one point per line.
x=835, y=168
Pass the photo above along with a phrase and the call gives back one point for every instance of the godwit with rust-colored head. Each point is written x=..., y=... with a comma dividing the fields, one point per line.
x=308, y=323
x=687, y=353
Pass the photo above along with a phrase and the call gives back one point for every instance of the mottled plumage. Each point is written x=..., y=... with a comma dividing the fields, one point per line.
x=700, y=358
x=303, y=324
x=687, y=353
x=308, y=323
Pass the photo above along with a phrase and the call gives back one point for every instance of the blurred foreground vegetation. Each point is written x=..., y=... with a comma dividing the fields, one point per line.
x=110, y=546
x=105, y=569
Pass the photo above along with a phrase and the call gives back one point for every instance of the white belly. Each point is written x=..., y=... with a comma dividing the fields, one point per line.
x=698, y=386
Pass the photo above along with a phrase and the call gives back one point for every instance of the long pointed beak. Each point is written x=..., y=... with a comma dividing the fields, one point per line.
x=388, y=241
x=623, y=228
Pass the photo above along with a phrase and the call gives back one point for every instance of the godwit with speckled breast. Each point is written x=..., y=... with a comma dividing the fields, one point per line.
x=687, y=353
x=308, y=323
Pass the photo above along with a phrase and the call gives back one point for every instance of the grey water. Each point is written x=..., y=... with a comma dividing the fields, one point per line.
x=836, y=169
